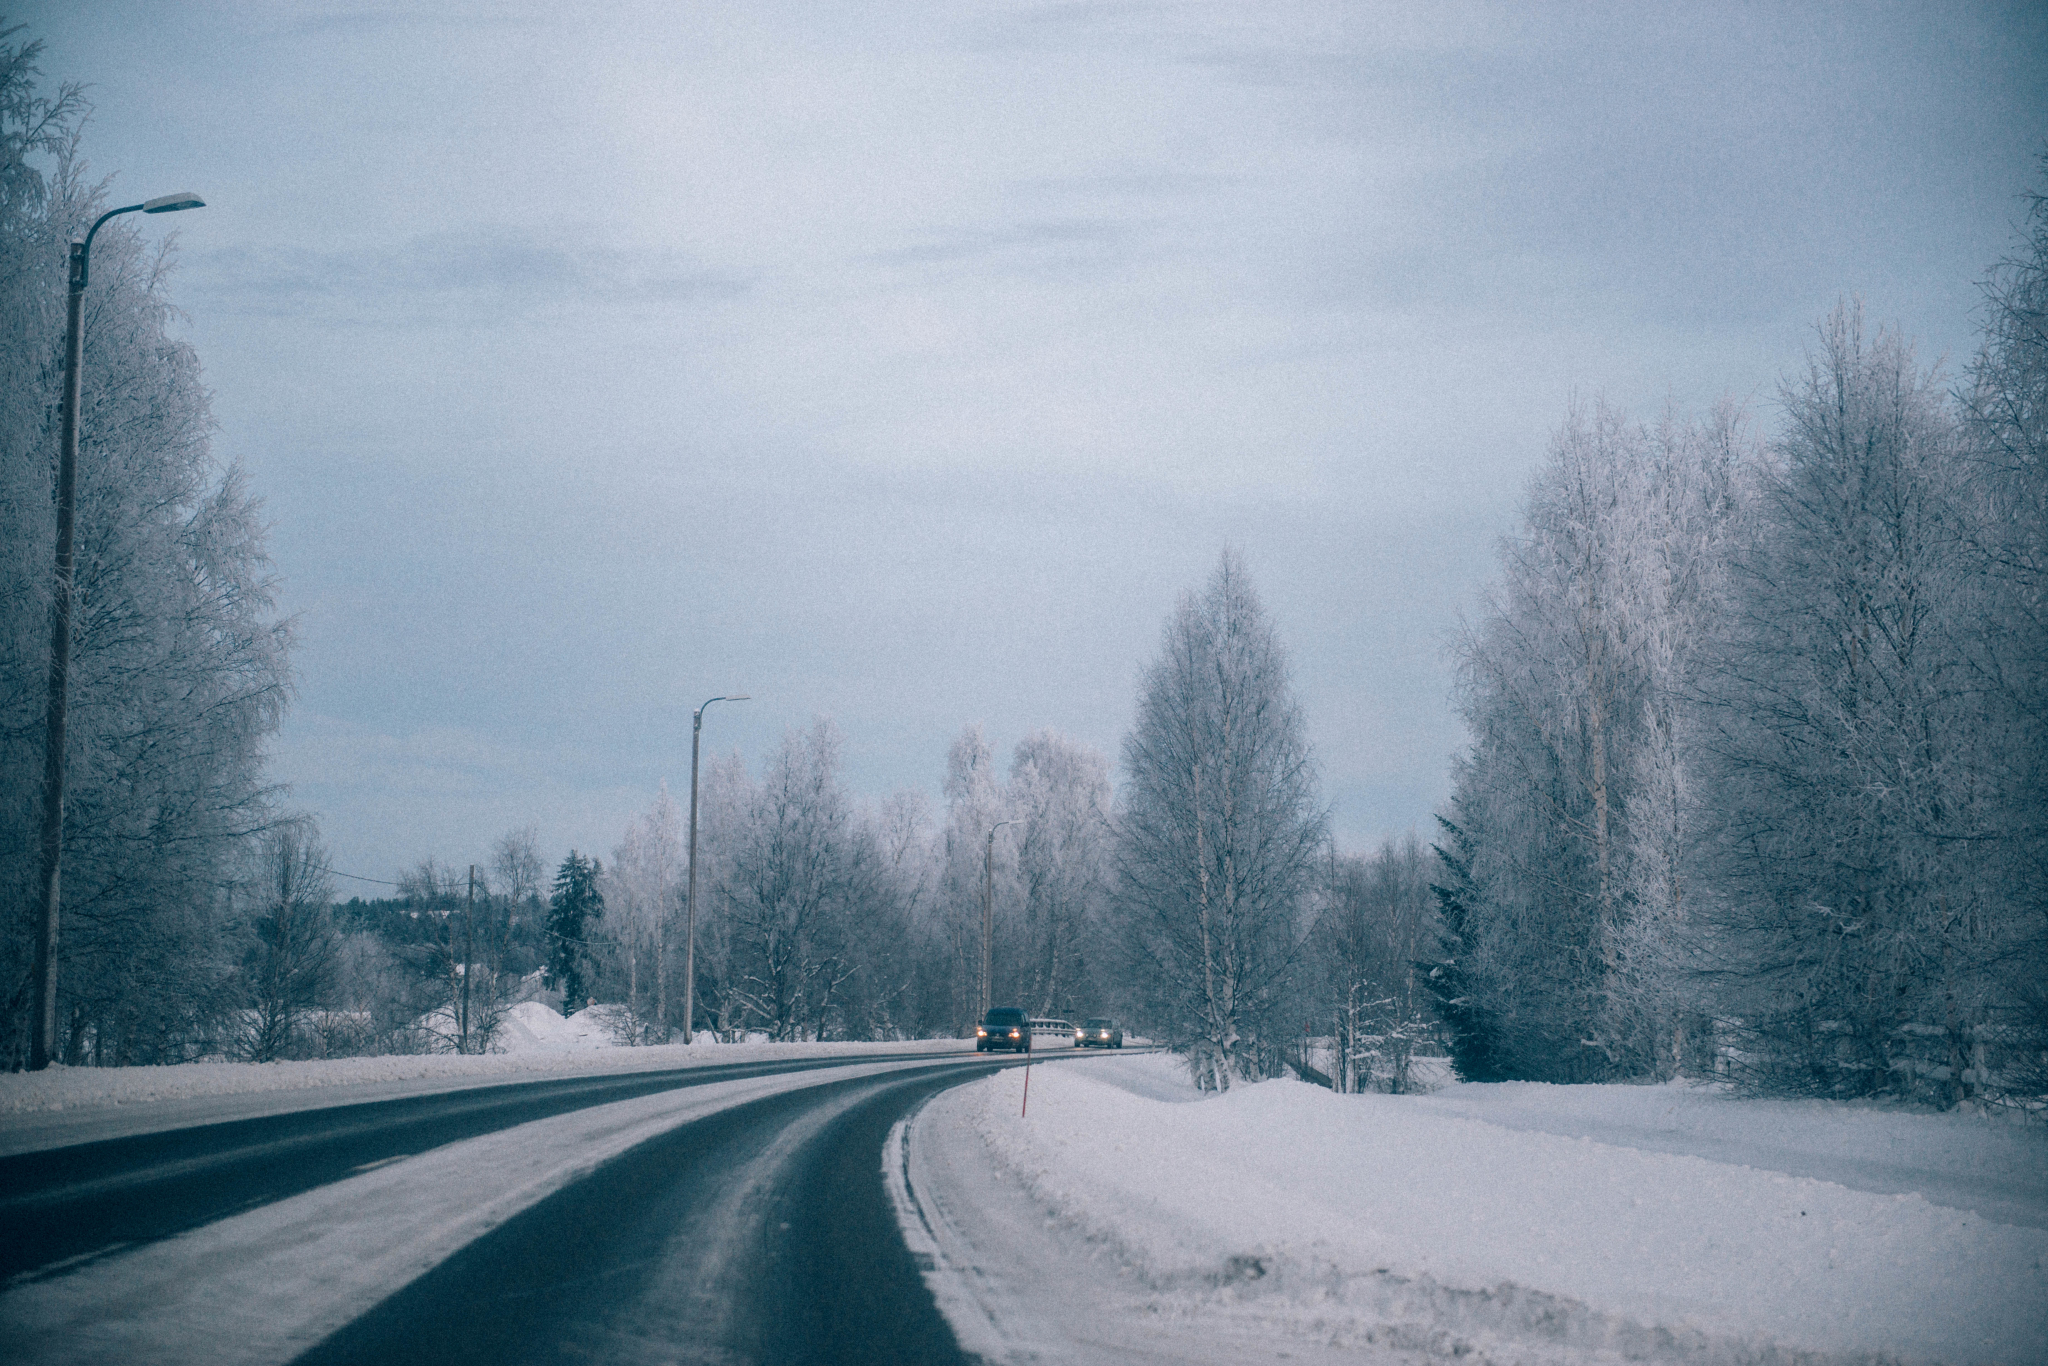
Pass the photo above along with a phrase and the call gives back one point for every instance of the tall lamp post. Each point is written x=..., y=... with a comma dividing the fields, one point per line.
x=988, y=888
x=43, y=1029
x=690, y=949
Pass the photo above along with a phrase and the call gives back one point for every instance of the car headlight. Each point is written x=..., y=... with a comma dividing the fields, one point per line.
x=980, y=1033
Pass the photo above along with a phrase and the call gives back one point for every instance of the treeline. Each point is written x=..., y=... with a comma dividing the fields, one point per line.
x=1759, y=774
x=1188, y=908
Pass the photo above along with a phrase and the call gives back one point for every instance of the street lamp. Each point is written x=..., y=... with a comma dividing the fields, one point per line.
x=43, y=1029
x=690, y=949
x=988, y=885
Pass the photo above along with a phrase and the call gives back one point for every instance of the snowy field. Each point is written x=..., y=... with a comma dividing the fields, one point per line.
x=1500, y=1223
x=81, y=1104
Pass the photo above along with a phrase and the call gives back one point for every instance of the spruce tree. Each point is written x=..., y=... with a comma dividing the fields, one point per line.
x=1474, y=1042
x=575, y=903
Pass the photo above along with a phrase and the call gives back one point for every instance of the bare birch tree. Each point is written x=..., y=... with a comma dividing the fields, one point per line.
x=1376, y=927
x=291, y=959
x=793, y=874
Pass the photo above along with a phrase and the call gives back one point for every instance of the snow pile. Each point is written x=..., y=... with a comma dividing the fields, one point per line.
x=534, y=1026
x=1352, y=1215
x=568, y=1047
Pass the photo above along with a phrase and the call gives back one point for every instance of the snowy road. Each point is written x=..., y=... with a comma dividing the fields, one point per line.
x=77, y=1200
x=718, y=1214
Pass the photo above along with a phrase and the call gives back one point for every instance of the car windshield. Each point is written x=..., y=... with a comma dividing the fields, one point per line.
x=1101, y=1024
x=1001, y=1016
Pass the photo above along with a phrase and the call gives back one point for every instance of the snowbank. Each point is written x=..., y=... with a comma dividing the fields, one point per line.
x=535, y=1027
x=1494, y=1210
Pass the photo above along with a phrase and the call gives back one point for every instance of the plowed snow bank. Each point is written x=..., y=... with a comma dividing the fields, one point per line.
x=1331, y=1210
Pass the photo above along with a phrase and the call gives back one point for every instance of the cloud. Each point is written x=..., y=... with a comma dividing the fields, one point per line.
x=476, y=277
x=1050, y=247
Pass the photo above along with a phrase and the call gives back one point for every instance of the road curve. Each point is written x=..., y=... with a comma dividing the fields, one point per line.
x=63, y=1204
x=759, y=1234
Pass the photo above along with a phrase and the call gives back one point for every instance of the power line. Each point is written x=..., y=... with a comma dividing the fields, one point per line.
x=358, y=877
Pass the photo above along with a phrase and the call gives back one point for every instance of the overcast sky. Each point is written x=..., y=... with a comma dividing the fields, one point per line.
x=902, y=363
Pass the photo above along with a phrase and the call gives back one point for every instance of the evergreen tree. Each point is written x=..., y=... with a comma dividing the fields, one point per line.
x=575, y=904
x=1475, y=1047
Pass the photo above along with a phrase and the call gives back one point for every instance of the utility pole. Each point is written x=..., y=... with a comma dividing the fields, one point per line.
x=43, y=975
x=690, y=948
x=988, y=887
x=468, y=953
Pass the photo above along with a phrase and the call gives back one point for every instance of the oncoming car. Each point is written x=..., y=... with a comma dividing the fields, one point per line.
x=1099, y=1033
x=1003, y=1027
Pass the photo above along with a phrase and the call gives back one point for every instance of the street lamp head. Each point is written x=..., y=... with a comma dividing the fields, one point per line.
x=171, y=203
x=722, y=697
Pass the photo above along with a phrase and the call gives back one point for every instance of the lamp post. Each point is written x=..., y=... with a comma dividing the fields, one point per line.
x=690, y=945
x=988, y=887
x=43, y=1027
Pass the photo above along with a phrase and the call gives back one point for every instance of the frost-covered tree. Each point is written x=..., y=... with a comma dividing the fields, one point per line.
x=2005, y=409
x=645, y=888
x=795, y=872
x=1219, y=834
x=725, y=804
x=971, y=861
x=1850, y=739
x=1573, y=809
x=179, y=667
x=892, y=925
x=1059, y=793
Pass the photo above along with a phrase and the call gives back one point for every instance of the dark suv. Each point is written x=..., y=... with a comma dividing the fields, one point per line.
x=1099, y=1033
x=1003, y=1027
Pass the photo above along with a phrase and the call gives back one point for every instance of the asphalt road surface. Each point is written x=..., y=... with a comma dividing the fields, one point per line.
x=62, y=1204
x=758, y=1232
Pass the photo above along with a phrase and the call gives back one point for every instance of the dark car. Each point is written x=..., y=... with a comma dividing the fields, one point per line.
x=1099, y=1033
x=1003, y=1027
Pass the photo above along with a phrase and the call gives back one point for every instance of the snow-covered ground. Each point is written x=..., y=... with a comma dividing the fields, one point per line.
x=81, y=1104
x=1504, y=1223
